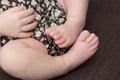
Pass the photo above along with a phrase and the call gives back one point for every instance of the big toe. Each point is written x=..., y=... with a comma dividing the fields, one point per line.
x=49, y=30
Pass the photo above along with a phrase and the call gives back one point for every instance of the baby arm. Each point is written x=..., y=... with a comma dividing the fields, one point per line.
x=17, y=22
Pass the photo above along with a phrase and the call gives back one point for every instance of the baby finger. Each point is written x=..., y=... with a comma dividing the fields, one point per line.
x=25, y=34
x=27, y=19
x=29, y=26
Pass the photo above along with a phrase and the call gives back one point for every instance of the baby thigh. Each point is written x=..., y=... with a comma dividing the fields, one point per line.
x=28, y=59
x=18, y=55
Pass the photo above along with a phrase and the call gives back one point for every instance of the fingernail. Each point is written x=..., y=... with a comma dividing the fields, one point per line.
x=31, y=9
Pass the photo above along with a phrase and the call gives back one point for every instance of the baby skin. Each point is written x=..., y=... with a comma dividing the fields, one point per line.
x=34, y=62
x=66, y=34
x=32, y=56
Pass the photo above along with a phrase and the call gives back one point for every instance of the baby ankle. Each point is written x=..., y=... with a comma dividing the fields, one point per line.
x=67, y=63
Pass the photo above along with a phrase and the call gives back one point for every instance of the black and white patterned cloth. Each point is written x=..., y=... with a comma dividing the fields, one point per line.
x=48, y=13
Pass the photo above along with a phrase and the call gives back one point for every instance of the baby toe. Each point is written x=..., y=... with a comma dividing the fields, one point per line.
x=90, y=38
x=94, y=41
x=49, y=30
x=65, y=44
x=95, y=46
x=58, y=36
x=60, y=41
x=84, y=35
x=54, y=32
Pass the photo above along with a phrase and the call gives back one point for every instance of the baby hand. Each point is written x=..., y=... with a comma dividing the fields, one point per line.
x=17, y=22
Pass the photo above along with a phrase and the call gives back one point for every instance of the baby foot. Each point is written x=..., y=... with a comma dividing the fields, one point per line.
x=84, y=47
x=63, y=35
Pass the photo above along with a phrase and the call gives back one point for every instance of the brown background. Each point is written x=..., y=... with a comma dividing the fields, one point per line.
x=103, y=19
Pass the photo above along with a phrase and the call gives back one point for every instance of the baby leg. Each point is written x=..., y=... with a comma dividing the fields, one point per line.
x=28, y=59
x=34, y=62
